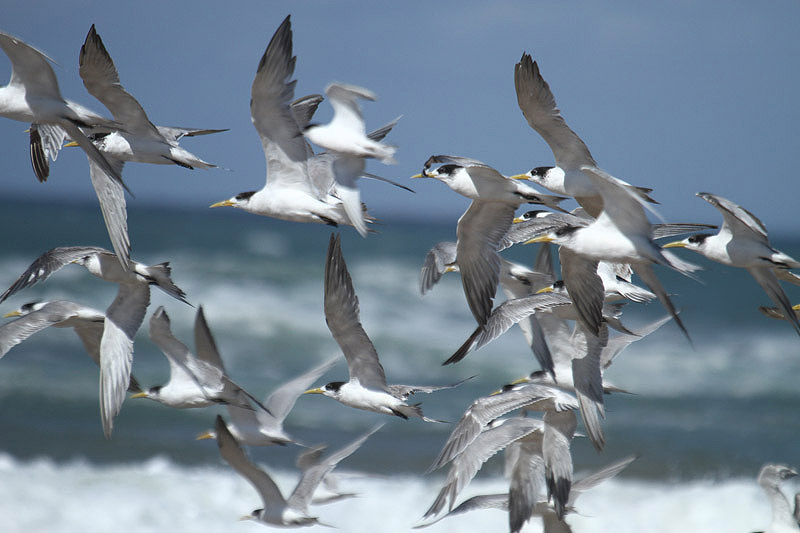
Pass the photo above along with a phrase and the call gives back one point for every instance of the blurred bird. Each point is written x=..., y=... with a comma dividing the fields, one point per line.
x=783, y=518
x=32, y=95
x=367, y=388
x=742, y=242
x=481, y=228
x=277, y=510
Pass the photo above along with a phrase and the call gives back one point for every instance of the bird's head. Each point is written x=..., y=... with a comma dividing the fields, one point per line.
x=530, y=215
x=239, y=200
x=695, y=242
x=25, y=309
x=560, y=236
x=544, y=176
x=152, y=393
x=331, y=389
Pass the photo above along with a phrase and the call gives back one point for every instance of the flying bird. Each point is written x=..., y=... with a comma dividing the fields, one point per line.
x=367, y=388
x=742, y=242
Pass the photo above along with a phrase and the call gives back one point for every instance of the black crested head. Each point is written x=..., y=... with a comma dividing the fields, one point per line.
x=245, y=195
x=154, y=390
x=448, y=169
x=28, y=307
x=528, y=215
x=699, y=238
x=566, y=230
x=558, y=285
x=94, y=137
x=540, y=171
x=334, y=386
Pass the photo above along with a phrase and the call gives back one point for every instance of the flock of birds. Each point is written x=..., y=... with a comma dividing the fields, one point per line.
x=567, y=316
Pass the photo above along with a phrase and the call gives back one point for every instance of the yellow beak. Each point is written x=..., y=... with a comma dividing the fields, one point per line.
x=224, y=203
x=451, y=268
x=206, y=435
x=519, y=177
x=540, y=238
x=12, y=313
x=71, y=144
x=139, y=395
x=540, y=291
x=318, y=390
x=418, y=176
x=675, y=244
x=796, y=307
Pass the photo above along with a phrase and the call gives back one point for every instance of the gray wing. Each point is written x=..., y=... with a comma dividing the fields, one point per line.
x=436, y=262
x=594, y=479
x=559, y=428
x=342, y=317
x=504, y=316
x=29, y=68
x=527, y=472
x=301, y=496
x=303, y=109
x=205, y=345
x=346, y=171
x=272, y=91
x=48, y=263
x=174, y=133
x=281, y=401
x=545, y=222
x=482, y=412
x=123, y=318
x=404, y=391
x=16, y=331
x=100, y=78
x=112, y=205
x=769, y=282
x=232, y=452
x=480, y=230
x=588, y=380
x=663, y=231
x=482, y=501
x=480, y=450
x=45, y=143
x=738, y=220
x=538, y=106
x=584, y=286
x=617, y=343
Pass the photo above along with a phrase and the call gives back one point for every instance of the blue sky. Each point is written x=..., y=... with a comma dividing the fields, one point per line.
x=680, y=96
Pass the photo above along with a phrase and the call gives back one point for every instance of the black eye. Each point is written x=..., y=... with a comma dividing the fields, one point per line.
x=540, y=171
x=245, y=195
x=448, y=169
x=566, y=230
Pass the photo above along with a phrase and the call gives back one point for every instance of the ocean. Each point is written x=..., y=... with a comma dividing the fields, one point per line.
x=702, y=417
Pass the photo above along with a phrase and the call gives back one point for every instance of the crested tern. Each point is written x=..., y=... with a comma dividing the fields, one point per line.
x=620, y=234
x=482, y=227
x=140, y=140
x=264, y=427
x=290, y=192
x=107, y=337
x=346, y=137
x=742, y=242
x=100, y=263
x=538, y=106
x=195, y=380
x=495, y=437
x=277, y=510
x=32, y=95
x=367, y=388
x=770, y=477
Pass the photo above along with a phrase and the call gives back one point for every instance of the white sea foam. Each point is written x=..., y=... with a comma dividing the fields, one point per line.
x=158, y=496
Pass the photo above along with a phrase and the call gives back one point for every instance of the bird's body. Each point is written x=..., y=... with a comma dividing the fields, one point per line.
x=290, y=192
x=742, y=242
x=783, y=517
x=367, y=388
x=32, y=95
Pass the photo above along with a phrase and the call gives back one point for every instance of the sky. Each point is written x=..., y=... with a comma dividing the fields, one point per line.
x=681, y=96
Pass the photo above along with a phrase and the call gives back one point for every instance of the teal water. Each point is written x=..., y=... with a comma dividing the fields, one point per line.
x=719, y=408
